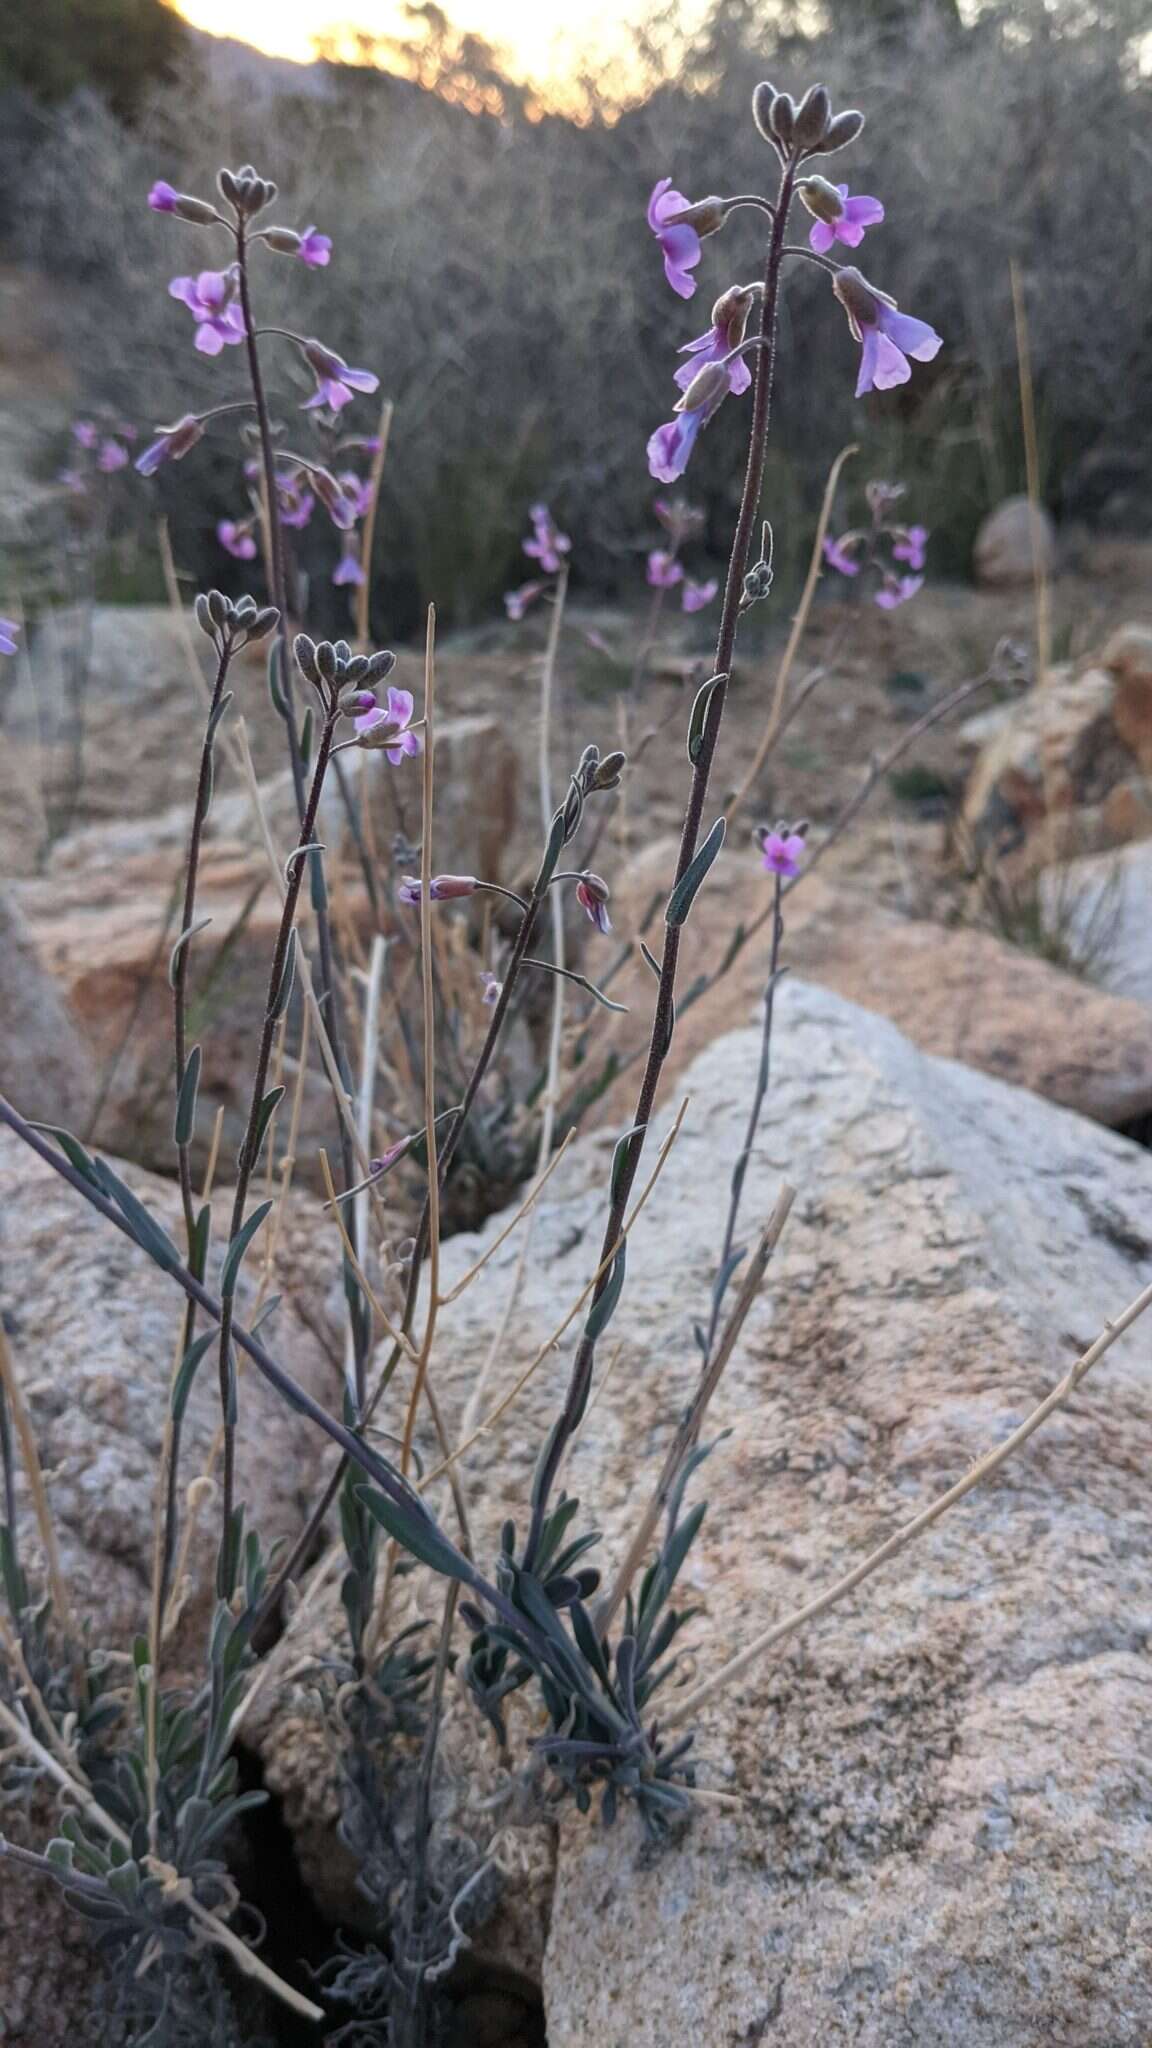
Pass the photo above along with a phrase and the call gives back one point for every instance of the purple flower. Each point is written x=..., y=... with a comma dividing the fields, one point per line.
x=85, y=433
x=695, y=596
x=729, y=319
x=592, y=896
x=516, y=602
x=840, y=217
x=314, y=249
x=782, y=852
x=163, y=197
x=111, y=457
x=348, y=569
x=385, y=726
x=548, y=544
x=211, y=300
x=671, y=445
x=9, y=634
x=238, y=540
x=171, y=444
x=493, y=989
x=409, y=890
x=335, y=381
x=664, y=571
x=357, y=492
x=680, y=245
x=73, y=480
x=897, y=590
x=910, y=546
x=297, y=503
x=838, y=556
x=889, y=337
x=441, y=888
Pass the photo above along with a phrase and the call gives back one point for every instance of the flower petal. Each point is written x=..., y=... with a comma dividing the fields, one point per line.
x=915, y=337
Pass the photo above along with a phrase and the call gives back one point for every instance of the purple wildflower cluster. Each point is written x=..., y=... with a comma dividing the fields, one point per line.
x=102, y=448
x=217, y=300
x=549, y=549
x=717, y=366
x=896, y=554
x=665, y=571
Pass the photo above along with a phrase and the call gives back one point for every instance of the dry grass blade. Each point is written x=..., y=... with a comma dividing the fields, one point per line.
x=529, y=1201
x=687, y=1708
x=14, y=1394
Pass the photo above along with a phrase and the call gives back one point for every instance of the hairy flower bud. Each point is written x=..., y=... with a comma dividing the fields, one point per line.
x=609, y=770
x=204, y=617
x=304, y=650
x=782, y=119
x=285, y=241
x=708, y=387
x=821, y=198
x=326, y=660
x=265, y=622
x=841, y=131
x=762, y=100
x=812, y=118
x=706, y=216
x=860, y=300
x=379, y=666
x=219, y=608
x=730, y=313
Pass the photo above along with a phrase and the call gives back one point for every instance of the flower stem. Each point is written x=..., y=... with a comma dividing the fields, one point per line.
x=580, y=1382
x=249, y=1148
x=180, y=1045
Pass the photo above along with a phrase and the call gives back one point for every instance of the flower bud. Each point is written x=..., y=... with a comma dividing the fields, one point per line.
x=219, y=608
x=782, y=119
x=228, y=186
x=285, y=241
x=343, y=653
x=265, y=622
x=304, y=650
x=730, y=313
x=204, y=617
x=821, y=199
x=706, y=216
x=444, y=888
x=356, y=669
x=326, y=662
x=812, y=118
x=842, y=130
x=245, y=610
x=379, y=666
x=186, y=206
x=762, y=100
x=708, y=387
x=323, y=360
x=609, y=770
x=595, y=886
x=355, y=701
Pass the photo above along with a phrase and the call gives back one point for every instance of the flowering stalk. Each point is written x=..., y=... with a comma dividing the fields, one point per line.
x=629, y=1157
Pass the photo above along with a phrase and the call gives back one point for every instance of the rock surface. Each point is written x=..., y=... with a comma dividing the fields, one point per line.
x=1008, y=543
x=46, y=1066
x=956, y=991
x=105, y=914
x=93, y=1327
x=923, y=1845
x=1101, y=902
x=1067, y=766
x=942, y=1832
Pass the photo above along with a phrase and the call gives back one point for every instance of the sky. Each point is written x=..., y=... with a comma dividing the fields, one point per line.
x=537, y=34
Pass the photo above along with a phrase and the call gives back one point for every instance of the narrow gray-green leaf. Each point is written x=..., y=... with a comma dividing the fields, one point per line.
x=186, y=1099
x=269, y=1103
x=144, y=1227
x=287, y=981
x=298, y=853
x=217, y=715
x=581, y=981
x=416, y=1532
x=620, y=1156
x=279, y=702
x=684, y=894
x=604, y=1307
x=698, y=720
x=307, y=733
x=182, y=941
x=182, y=1384
x=651, y=959
x=231, y=1268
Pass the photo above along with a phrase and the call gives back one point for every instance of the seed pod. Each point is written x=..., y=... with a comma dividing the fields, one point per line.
x=782, y=119
x=842, y=130
x=812, y=117
x=762, y=100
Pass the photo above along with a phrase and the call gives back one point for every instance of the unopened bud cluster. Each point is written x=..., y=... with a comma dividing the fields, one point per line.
x=244, y=190
x=341, y=676
x=233, y=624
x=810, y=129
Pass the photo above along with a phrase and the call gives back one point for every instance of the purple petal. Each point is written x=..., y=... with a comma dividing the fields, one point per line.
x=671, y=445
x=915, y=337
x=401, y=705
x=863, y=211
x=849, y=232
x=821, y=236
x=866, y=379
x=360, y=380
x=209, y=339
x=163, y=196
x=709, y=343
x=891, y=365
x=681, y=248
x=739, y=376
x=184, y=289
x=663, y=202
